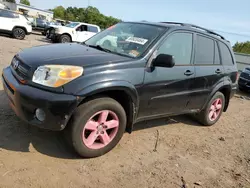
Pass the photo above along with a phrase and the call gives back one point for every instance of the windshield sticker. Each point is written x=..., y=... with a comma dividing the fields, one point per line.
x=134, y=53
x=137, y=40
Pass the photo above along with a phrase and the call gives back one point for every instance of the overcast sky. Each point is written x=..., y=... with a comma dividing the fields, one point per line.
x=224, y=16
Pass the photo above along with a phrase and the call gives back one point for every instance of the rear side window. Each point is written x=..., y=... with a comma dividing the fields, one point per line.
x=92, y=29
x=226, y=55
x=7, y=14
x=204, y=51
x=216, y=55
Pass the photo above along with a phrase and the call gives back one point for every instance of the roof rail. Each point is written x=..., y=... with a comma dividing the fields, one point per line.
x=197, y=27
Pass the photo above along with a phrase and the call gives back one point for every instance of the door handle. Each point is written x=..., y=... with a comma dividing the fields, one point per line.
x=218, y=71
x=188, y=73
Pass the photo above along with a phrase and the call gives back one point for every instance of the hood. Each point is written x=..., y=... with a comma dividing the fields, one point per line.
x=67, y=54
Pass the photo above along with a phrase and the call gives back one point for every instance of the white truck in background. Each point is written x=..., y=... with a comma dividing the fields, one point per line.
x=74, y=32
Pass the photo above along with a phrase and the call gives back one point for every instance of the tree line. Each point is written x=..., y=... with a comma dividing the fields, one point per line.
x=89, y=15
x=242, y=47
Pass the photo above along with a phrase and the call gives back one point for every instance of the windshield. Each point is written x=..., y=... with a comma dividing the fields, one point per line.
x=130, y=39
x=72, y=25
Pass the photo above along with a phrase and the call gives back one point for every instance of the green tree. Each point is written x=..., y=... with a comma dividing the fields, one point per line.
x=11, y=1
x=242, y=47
x=59, y=12
x=25, y=2
x=89, y=15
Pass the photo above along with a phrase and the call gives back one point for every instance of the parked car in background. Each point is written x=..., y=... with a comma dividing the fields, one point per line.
x=74, y=32
x=244, y=80
x=39, y=24
x=94, y=92
x=14, y=24
x=51, y=26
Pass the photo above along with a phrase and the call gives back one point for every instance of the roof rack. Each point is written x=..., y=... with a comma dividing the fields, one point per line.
x=197, y=27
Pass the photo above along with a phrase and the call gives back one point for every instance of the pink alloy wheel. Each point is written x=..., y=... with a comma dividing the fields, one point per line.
x=100, y=129
x=215, y=109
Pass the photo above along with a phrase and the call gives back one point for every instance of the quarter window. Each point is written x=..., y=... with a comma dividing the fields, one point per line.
x=7, y=14
x=226, y=55
x=178, y=45
x=204, y=51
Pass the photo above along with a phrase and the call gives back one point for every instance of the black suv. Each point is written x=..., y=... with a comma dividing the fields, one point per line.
x=130, y=72
x=244, y=80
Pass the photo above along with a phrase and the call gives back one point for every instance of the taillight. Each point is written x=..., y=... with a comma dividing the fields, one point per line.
x=237, y=76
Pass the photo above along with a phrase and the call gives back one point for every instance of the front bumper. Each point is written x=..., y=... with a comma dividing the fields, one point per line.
x=244, y=83
x=25, y=99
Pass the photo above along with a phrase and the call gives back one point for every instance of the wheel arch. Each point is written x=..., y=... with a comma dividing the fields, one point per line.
x=121, y=91
x=22, y=27
x=68, y=35
x=225, y=90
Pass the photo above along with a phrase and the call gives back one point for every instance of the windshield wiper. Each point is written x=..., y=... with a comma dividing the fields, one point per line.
x=99, y=48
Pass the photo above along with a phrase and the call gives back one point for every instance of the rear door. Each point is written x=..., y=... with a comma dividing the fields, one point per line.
x=7, y=19
x=208, y=70
x=92, y=30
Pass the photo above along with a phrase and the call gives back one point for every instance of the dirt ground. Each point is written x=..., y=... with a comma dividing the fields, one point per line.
x=187, y=154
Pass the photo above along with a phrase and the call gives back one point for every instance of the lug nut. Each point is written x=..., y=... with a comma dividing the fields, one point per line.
x=102, y=132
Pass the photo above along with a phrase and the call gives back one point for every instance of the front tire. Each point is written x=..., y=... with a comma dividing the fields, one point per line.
x=19, y=33
x=96, y=127
x=64, y=39
x=212, y=112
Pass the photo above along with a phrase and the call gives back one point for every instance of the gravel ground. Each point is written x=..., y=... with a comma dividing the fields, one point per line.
x=187, y=154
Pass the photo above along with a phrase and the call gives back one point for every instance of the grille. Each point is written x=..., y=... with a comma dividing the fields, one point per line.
x=245, y=75
x=20, y=68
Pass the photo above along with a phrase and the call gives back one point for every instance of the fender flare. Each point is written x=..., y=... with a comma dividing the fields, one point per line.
x=112, y=85
x=220, y=86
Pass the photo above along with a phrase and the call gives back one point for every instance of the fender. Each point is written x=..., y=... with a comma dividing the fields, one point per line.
x=109, y=86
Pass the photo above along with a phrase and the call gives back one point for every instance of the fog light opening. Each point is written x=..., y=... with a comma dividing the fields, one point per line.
x=40, y=114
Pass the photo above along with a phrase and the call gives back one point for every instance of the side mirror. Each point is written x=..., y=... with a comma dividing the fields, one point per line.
x=164, y=60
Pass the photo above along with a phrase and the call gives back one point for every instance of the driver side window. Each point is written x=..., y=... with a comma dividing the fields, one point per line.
x=180, y=46
x=82, y=28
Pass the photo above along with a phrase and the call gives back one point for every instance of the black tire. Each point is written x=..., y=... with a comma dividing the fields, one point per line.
x=81, y=116
x=64, y=39
x=203, y=116
x=19, y=33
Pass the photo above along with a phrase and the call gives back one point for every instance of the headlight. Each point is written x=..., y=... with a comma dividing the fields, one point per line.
x=56, y=75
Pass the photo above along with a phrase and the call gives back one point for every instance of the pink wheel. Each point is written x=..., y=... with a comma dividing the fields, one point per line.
x=100, y=129
x=96, y=127
x=215, y=109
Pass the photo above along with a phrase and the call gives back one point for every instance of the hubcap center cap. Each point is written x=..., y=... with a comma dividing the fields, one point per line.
x=100, y=128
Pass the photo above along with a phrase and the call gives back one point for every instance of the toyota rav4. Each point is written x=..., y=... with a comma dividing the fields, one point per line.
x=130, y=72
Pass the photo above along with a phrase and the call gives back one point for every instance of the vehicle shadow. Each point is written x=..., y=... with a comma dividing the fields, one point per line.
x=185, y=119
x=44, y=40
x=5, y=35
x=243, y=94
x=38, y=33
x=15, y=135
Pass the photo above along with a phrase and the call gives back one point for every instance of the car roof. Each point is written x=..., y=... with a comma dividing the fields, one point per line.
x=86, y=24
x=185, y=26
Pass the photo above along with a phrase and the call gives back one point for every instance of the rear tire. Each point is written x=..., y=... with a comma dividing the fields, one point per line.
x=64, y=39
x=79, y=131
x=18, y=33
x=212, y=112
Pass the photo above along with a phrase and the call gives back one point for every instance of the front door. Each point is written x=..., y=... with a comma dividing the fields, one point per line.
x=82, y=33
x=166, y=90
